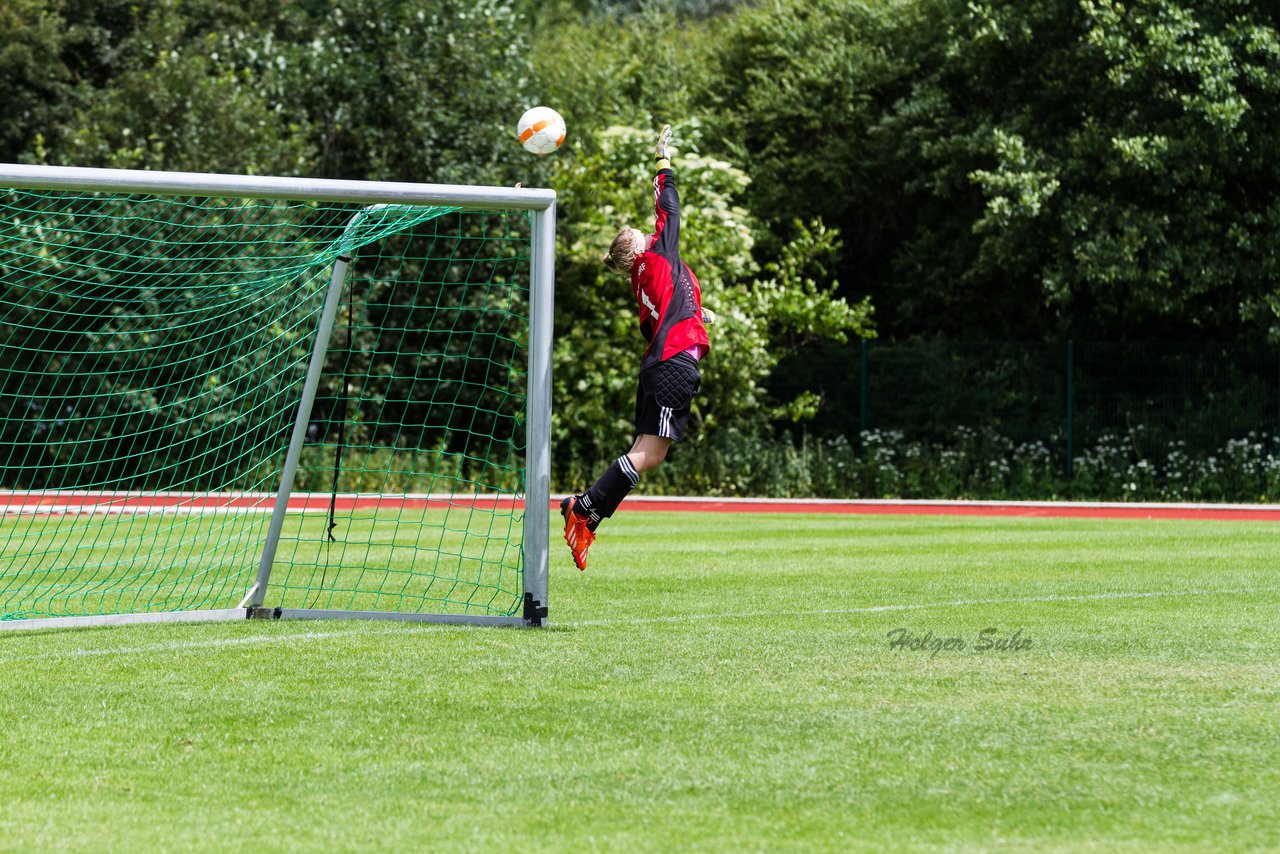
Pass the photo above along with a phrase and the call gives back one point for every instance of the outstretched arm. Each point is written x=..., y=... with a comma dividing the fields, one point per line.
x=666, y=201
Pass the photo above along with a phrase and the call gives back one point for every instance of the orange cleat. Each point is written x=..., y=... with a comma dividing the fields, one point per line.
x=576, y=533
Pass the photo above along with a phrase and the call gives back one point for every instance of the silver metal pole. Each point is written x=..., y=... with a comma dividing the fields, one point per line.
x=333, y=299
x=24, y=176
x=537, y=515
x=222, y=615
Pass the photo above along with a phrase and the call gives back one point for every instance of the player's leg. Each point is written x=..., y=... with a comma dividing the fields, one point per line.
x=623, y=474
x=663, y=403
x=664, y=400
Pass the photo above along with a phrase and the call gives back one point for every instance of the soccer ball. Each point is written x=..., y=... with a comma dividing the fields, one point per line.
x=540, y=130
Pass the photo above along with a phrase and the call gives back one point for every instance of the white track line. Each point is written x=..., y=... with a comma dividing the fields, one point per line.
x=877, y=609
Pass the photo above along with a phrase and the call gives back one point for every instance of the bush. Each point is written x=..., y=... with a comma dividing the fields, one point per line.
x=973, y=464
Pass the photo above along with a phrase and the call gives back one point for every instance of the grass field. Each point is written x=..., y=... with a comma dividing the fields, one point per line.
x=715, y=682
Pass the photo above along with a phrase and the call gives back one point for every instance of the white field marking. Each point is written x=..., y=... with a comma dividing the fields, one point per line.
x=918, y=606
x=182, y=646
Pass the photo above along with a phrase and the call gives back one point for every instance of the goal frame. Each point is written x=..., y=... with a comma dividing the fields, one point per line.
x=539, y=203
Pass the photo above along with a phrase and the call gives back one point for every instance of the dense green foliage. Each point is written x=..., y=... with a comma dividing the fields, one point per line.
x=1006, y=169
x=979, y=464
x=1019, y=168
x=375, y=89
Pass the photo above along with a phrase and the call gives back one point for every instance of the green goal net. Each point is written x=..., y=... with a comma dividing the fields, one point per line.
x=220, y=404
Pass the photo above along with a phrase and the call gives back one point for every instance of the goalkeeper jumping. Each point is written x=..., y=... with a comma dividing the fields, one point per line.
x=671, y=320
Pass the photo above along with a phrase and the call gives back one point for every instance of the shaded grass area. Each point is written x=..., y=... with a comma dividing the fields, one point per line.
x=712, y=682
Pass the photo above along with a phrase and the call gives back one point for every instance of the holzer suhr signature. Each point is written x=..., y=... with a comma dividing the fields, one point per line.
x=987, y=640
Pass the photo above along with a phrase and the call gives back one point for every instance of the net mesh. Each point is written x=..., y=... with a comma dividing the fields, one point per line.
x=153, y=352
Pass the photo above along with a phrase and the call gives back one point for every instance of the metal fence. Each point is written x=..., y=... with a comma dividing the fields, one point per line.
x=1066, y=395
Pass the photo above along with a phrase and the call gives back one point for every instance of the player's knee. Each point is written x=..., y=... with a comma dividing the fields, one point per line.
x=643, y=462
x=648, y=458
x=654, y=459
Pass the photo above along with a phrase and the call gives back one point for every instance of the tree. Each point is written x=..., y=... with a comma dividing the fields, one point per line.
x=417, y=91
x=762, y=317
x=32, y=76
x=377, y=89
x=1023, y=168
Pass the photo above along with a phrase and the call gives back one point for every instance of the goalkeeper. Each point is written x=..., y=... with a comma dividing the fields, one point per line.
x=672, y=321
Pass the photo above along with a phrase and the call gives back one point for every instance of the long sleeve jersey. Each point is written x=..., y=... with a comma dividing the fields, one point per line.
x=667, y=293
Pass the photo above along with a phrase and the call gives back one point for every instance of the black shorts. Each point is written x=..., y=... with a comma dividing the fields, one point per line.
x=666, y=395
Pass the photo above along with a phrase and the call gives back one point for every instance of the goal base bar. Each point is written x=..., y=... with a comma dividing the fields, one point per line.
x=450, y=619
x=124, y=619
x=230, y=614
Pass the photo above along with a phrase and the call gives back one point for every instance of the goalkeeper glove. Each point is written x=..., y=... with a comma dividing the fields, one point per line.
x=708, y=316
x=664, y=136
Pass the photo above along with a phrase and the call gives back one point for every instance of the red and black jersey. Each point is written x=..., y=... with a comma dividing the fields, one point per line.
x=667, y=293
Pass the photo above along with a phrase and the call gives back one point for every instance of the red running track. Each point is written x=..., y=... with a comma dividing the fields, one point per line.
x=82, y=502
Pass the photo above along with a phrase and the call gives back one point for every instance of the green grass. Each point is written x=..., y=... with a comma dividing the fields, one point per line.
x=712, y=682
x=455, y=561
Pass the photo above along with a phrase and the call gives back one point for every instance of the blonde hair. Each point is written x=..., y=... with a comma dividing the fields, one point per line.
x=623, y=251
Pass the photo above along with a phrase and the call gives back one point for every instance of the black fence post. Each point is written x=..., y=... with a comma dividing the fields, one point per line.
x=1071, y=409
x=862, y=390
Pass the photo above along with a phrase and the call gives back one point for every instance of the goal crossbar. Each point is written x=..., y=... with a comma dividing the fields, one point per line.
x=85, y=179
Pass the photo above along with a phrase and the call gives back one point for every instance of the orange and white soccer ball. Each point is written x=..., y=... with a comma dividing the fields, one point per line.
x=540, y=130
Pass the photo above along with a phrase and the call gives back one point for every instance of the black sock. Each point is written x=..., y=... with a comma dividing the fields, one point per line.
x=604, y=496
